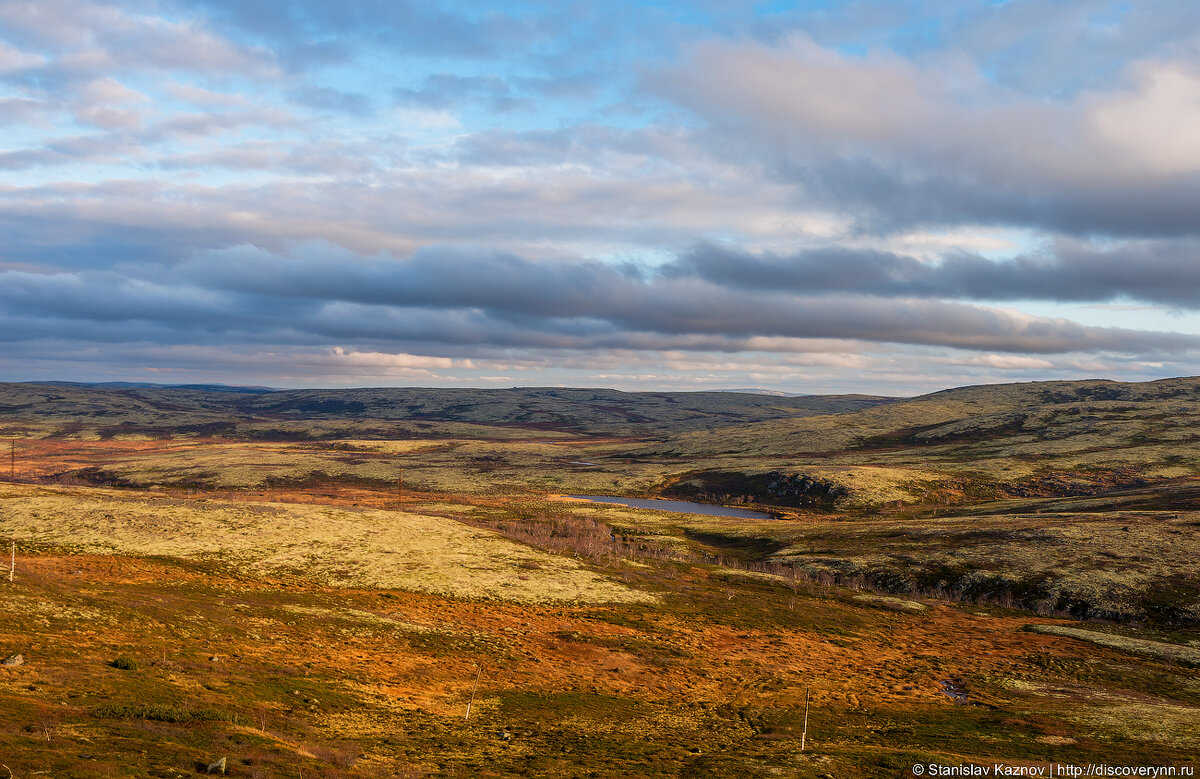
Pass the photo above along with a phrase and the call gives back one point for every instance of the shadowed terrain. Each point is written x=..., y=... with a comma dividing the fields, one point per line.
x=107, y=412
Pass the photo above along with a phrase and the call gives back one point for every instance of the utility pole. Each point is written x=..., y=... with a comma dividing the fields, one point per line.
x=471, y=702
x=804, y=733
x=12, y=566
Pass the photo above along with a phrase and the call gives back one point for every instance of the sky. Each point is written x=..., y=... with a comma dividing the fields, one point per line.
x=876, y=196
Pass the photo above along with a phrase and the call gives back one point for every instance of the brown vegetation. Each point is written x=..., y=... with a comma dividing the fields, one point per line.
x=192, y=584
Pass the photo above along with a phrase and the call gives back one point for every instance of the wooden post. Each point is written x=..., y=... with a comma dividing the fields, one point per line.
x=12, y=566
x=804, y=733
x=471, y=702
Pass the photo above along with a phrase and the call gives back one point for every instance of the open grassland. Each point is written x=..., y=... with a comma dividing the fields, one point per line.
x=345, y=547
x=288, y=676
x=451, y=465
x=309, y=583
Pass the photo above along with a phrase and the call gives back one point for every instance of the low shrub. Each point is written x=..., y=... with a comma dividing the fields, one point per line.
x=158, y=713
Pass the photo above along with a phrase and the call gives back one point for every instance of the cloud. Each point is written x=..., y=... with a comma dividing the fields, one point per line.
x=1063, y=48
x=351, y=359
x=13, y=59
x=329, y=99
x=847, y=190
x=321, y=294
x=904, y=371
x=1049, y=50
x=371, y=197
x=312, y=33
x=426, y=119
x=1161, y=272
x=1151, y=122
x=85, y=38
x=441, y=91
x=17, y=110
x=908, y=144
x=199, y=96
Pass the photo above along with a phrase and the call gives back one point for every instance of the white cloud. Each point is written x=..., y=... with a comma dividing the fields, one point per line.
x=425, y=119
x=934, y=143
x=13, y=59
x=352, y=359
x=1153, y=125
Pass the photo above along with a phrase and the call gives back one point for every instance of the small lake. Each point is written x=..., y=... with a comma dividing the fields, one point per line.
x=681, y=506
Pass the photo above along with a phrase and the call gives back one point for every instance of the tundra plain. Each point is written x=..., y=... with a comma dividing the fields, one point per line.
x=320, y=582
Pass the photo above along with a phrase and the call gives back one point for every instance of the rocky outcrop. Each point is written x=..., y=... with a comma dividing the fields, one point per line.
x=799, y=487
x=774, y=488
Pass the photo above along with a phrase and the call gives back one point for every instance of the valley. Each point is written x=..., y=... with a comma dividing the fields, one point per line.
x=309, y=582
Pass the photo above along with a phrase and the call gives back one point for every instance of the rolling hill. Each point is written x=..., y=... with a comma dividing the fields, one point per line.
x=66, y=410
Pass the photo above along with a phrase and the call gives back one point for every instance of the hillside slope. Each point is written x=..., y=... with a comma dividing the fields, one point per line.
x=970, y=423
x=161, y=411
x=1080, y=497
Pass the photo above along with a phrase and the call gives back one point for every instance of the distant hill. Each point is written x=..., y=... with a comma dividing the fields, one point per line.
x=555, y=407
x=964, y=414
x=1056, y=439
x=62, y=408
x=147, y=385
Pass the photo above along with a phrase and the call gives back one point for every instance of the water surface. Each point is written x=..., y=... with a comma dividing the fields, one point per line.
x=681, y=506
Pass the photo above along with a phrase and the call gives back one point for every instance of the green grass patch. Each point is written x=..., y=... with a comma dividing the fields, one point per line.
x=124, y=663
x=160, y=713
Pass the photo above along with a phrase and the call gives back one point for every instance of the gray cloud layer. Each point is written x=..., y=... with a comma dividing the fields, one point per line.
x=459, y=296
x=1165, y=272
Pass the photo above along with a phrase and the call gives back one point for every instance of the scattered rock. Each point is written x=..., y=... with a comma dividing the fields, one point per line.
x=12, y=661
x=216, y=767
x=955, y=690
